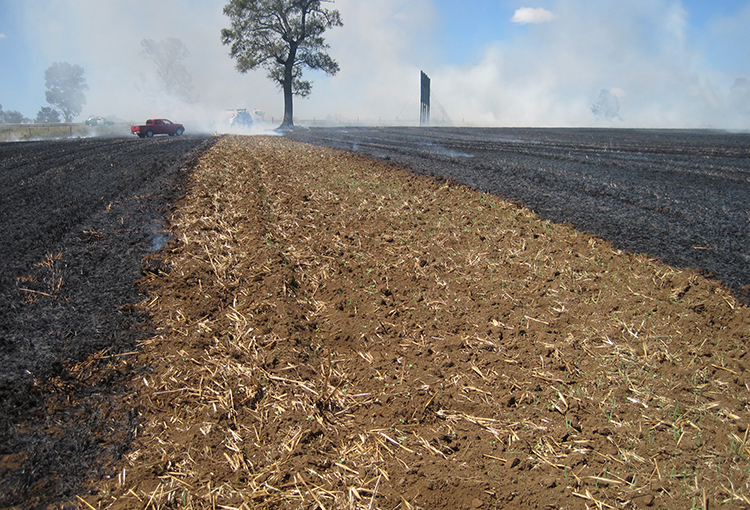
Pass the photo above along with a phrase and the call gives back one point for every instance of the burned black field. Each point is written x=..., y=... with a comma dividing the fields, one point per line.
x=79, y=216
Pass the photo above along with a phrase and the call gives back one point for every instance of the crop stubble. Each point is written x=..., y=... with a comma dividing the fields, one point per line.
x=682, y=196
x=336, y=332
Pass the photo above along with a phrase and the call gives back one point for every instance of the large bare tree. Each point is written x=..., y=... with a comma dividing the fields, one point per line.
x=282, y=36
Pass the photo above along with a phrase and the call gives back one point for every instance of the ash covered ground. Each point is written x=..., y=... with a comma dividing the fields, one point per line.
x=682, y=196
x=78, y=217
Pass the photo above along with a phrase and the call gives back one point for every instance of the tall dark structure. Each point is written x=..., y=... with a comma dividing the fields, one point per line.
x=424, y=101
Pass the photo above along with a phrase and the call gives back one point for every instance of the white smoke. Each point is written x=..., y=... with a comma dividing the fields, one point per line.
x=544, y=65
x=105, y=39
x=544, y=74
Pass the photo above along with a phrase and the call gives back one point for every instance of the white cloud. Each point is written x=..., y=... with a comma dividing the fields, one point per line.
x=2, y=36
x=526, y=15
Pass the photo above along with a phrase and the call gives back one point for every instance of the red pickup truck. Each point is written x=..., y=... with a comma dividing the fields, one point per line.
x=158, y=127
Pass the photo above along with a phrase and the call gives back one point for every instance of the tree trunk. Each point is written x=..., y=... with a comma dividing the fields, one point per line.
x=288, y=121
x=288, y=86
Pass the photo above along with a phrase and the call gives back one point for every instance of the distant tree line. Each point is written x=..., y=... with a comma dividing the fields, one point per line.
x=46, y=115
x=65, y=93
x=12, y=117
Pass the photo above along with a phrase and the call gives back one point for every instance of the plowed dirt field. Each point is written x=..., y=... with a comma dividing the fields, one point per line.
x=326, y=330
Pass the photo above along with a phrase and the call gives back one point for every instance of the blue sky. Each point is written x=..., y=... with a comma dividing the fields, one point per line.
x=664, y=63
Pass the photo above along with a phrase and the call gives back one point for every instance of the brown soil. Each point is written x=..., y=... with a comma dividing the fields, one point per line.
x=336, y=332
